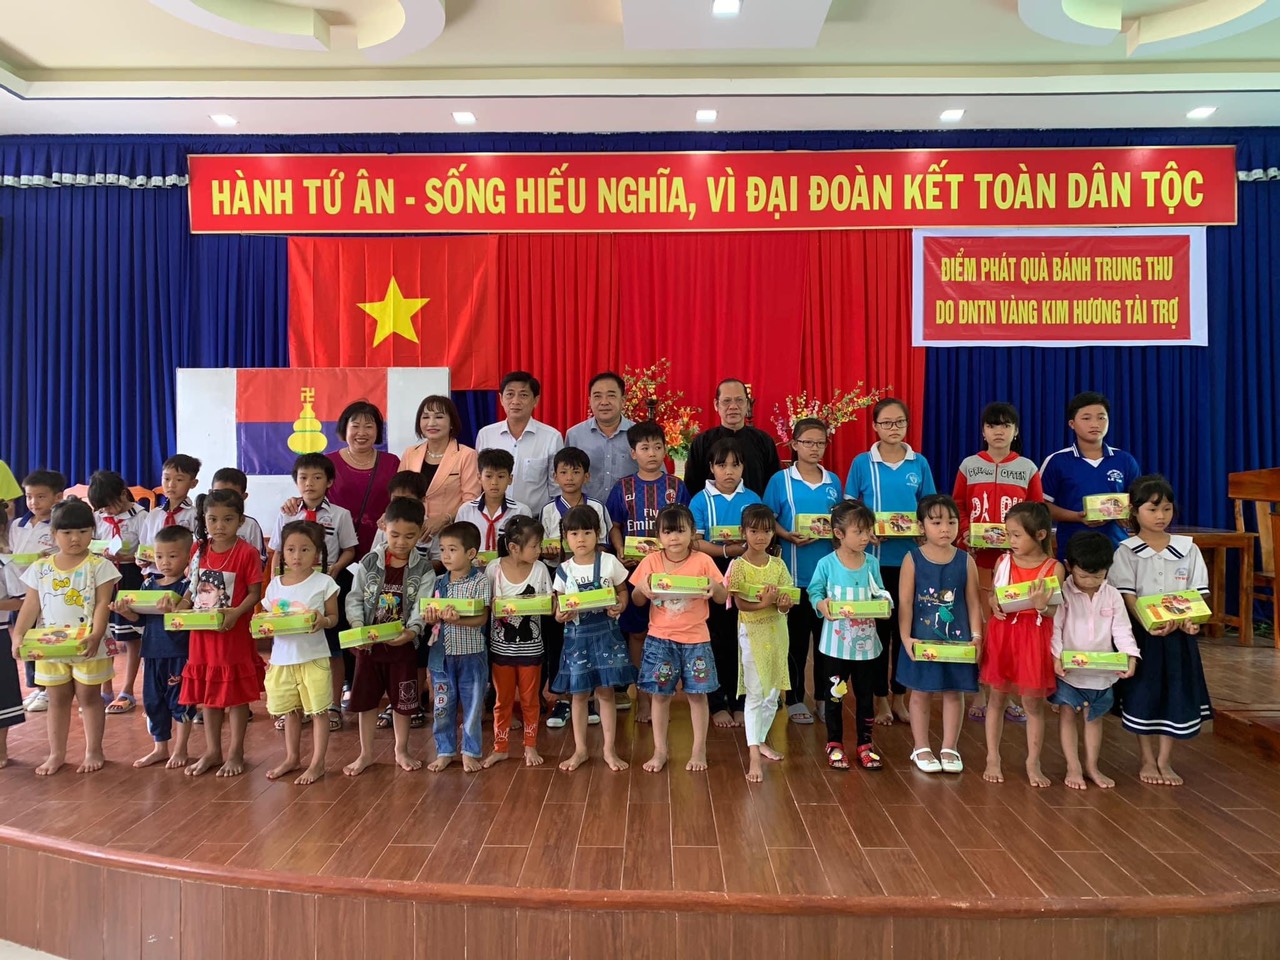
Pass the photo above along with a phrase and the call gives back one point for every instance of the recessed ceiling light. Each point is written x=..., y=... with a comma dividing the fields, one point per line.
x=705, y=116
x=951, y=116
x=726, y=8
x=464, y=118
x=223, y=119
x=1201, y=113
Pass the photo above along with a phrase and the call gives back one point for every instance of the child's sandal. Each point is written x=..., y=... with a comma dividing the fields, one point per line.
x=335, y=719
x=868, y=758
x=836, y=758
x=384, y=719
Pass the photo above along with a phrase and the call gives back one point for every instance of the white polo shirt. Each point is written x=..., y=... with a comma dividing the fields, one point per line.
x=534, y=450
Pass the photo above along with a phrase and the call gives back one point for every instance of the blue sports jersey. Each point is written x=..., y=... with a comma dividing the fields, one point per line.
x=634, y=503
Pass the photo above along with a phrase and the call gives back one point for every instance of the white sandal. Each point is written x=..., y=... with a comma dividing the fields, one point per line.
x=951, y=766
x=925, y=766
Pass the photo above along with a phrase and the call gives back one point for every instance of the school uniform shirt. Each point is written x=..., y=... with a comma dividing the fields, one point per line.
x=534, y=450
x=29, y=535
x=554, y=512
x=571, y=576
x=711, y=508
x=832, y=580
x=68, y=597
x=183, y=515
x=157, y=642
x=985, y=490
x=1098, y=624
x=678, y=619
x=634, y=503
x=516, y=641
x=489, y=524
x=339, y=529
x=759, y=457
x=610, y=456
x=126, y=525
x=788, y=495
x=251, y=533
x=310, y=594
x=459, y=640
x=1067, y=477
x=890, y=486
x=1140, y=571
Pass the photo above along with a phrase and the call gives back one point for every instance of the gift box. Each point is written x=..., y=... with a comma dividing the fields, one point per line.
x=537, y=605
x=1106, y=506
x=639, y=547
x=195, y=620
x=897, y=524
x=1185, y=606
x=486, y=557
x=946, y=652
x=859, y=609
x=283, y=624
x=147, y=601
x=814, y=525
x=673, y=584
x=1017, y=596
x=751, y=592
x=146, y=554
x=25, y=559
x=1095, y=660
x=375, y=633
x=58, y=644
x=552, y=544
x=98, y=547
x=725, y=534
x=466, y=606
x=988, y=536
x=585, y=600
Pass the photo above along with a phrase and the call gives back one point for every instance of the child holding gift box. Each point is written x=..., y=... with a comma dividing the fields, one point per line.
x=678, y=647
x=493, y=509
x=1093, y=618
x=851, y=647
x=459, y=667
x=1017, y=657
x=178, y=477
x=299, y=681
x=515, y=642
x=1167, y=699
x=71, y=588
x=164, y=653
x=29, y=537
x=119, y=522
x=594, y=658
x=11, y=712
x=938, y=601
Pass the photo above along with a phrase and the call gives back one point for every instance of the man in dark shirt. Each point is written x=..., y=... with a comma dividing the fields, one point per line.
x=759, y=449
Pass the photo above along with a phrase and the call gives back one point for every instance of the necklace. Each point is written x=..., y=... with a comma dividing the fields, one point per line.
x=363, y=463
x=436, y=456
x=222, y=563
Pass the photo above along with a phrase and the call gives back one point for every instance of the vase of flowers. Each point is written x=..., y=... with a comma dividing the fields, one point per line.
x=680, y=427
x=843, y=407
x=648, y=397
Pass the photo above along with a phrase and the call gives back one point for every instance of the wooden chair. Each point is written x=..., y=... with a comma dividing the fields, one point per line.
x=1256, y=494
x=141, y=494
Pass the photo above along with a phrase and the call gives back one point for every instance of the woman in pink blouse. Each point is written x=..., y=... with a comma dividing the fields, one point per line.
x=450, y=468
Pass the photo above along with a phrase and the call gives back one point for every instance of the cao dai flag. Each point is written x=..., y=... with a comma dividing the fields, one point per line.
x=396, y=302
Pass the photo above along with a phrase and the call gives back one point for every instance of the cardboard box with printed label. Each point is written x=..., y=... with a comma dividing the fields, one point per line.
x=195, y=620
x=1106, y=506
x=896, y=523
x=535, y=605
x=1185, y=606
x=635, y=548
x=859, y=609
x=751, y=592
x=1095, y=660
x=56, y=644
x=586, y=600
x=946, y=652
x=374, y=633
x=988, y=536
x=466, y=606
x=1017, y=596
x=283, y=624
x=725, y=534
x=814, y=525
x=146, y=601
x=673, y=584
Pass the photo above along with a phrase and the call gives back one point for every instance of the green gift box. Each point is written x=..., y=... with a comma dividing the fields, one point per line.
x=283, y=624
x=98, y=547
x=814, y=525
x=1106, y=506
x=551, y=543
x=988, y=536
x=528, y=606
x=859, y=609
x=25, y=559
x=466, y=606
x=751, y=592
x=639, y=547
x=1017, y=596
x=146, y=601
x=723, y=534
x=146, y=554
x=895, y=523
x=1184, y=606
x=1095, y=660
x=486, y=557
x=56, y=644
x=195, y=620
x=374, y=633
x=585, y=600
x=671, y=583
x=946, y=652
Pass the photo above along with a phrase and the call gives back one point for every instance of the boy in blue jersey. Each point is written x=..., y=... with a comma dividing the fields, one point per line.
x=1087, y=467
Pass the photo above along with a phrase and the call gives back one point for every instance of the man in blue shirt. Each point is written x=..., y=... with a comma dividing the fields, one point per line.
x=603, y=435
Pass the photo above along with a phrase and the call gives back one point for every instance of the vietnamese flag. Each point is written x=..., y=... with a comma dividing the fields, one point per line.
x=396, y=302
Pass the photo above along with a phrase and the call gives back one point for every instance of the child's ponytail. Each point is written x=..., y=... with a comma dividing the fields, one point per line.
x=519, y=532
x=202, y=531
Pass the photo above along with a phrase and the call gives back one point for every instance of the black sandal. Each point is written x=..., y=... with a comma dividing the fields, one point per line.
x=335, y=719
x=384, y=719
x=418, y=720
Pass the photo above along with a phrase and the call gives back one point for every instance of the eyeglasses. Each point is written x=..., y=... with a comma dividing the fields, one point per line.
x=732, y=402
x=892, y=424
x=810, y=444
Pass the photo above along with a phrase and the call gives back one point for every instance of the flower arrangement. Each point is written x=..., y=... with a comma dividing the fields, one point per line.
x=680, y=427
x=649, y=398
x=842, y=408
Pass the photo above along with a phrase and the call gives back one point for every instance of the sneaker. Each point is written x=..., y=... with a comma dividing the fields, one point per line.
x=559, y=715
x=621, y=701
x=593, y=715
x=38, y=702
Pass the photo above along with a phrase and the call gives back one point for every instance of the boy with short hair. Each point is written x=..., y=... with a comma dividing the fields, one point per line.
x=386, y=586
x=31, y=534
x=118, y=523
x=493, y=509
x=164, y=653
x=1094, y=618
x=459, y=663
x=230, y=478
x=178, y=477
x=633, y=507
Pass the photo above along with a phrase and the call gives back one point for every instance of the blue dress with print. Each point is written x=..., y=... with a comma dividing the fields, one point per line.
x=939, y=613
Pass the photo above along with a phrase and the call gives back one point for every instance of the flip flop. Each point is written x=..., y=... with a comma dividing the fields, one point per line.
x=799, y=713
x=978, y=712
x=122, y=704
x=1015, y=714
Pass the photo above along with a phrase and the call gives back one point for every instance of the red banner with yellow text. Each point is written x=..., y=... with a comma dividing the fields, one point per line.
x=1059, y=288
x=791, y=190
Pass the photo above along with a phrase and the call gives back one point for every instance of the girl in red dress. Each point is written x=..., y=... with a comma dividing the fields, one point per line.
x=1017, y=657
x=224, y=673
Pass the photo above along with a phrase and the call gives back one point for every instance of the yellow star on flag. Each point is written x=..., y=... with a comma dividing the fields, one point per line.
x=394, y=313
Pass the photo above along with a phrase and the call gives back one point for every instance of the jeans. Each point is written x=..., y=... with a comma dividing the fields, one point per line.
x=462, y=678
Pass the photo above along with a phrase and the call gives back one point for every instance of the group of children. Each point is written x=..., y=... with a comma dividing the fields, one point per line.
x=733, y=649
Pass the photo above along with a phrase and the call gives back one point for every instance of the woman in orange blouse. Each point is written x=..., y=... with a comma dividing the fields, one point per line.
x=450, y=468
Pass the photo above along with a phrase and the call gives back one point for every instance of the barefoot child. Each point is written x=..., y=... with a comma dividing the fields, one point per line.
x=678, y=647
x=32, y=534
x=594, y=658
x=299, y=680
x=224, y=673
x=938, y=603
x=71, y=588
x=1167, y=699
x=515, y=643
x=1093, y=618
x=762, y=633
x=459, y=666
x=118, y=523
x=851, y=646
x=386, y=587
x=1017, y=657
x=164, y=653
x=11, y=711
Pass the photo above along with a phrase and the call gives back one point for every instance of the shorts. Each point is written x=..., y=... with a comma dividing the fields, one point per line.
x=1099, y=702
x=395, y=677
x=88, y=673
x=664, y=662
x=299, y=686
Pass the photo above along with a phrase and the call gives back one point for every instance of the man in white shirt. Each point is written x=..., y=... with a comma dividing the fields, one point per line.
x=531, y=443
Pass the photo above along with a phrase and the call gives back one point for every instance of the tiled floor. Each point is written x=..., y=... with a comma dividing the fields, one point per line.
x=806, y=830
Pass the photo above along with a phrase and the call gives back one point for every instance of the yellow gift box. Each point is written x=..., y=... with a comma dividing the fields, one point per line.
x=859, y=609
x=1185, y=606
x=552, y=544
x=146, y=601
x=466, y=606
x=637, y=548
x=195, y=620
x=1106, y=506
x=988, y=536
x=895, y=523
x=751, y=592
x=1095, y=660
x=486, y=557
x=725, y=534
x=672, y=584
x=283, y=624
x=146, y=554
x=374, y=633
x=534, y=605
x=816, y=526
x=586, y=600
x=945, y=652
x=1017, y=596
x=55, y=644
